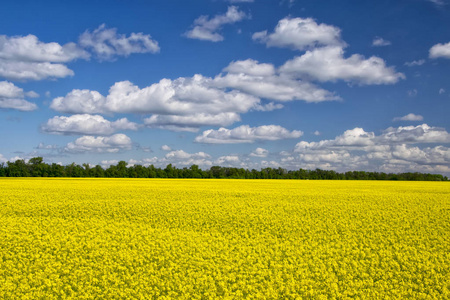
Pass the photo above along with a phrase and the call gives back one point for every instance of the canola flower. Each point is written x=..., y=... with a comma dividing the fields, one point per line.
x=223, y=239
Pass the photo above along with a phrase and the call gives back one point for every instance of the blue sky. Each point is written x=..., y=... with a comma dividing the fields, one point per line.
x=342, y=85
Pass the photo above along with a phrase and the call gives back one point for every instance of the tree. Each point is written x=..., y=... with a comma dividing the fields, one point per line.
x=2, y=170
x=121, y=169
x=169, y=171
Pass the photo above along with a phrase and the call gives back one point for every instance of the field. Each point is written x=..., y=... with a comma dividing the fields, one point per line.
x=226, y=239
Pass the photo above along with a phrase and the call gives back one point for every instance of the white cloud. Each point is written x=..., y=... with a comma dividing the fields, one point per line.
x=2, y=159
x=379, y=42
x=328, y=64
x=358, y=139
x=181, y=154
x=228, y=161
x=86, y=124
x=300, y=34
x=317, y=133
x=324, y=59
x=181, y=104
x=166, y=148
x=441, y=91
x=79, y=101
x=357, y=149
x=187, y=103
x=250, y=67
x=112, y=144
x=433, y=156
x=191, y=122
x=206, y=28
x=415, y=134
x=107, y=44
x=27, y=58
x=262, y=80
x=246, y=134
x=21, y=70
x=29, y=48
x=12, y=97
x=17, y=104
x=239, y=1
x=183, y=158
x=415, y=63
x=9, y=90
x=440, y=50
x=260, y=152
x=409, y=117
x=183, y=96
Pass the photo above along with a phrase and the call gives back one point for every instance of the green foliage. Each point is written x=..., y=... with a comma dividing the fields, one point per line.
x=35, y=167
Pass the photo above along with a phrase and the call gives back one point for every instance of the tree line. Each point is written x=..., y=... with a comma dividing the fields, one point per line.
x=36, y=167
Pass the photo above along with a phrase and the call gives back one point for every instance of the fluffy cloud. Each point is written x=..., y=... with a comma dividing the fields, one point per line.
x=259, y=152
x=427, y=156
x=206, y=28
x=409, y=117
x=300, y=34
x=181, y=104
x=106, y=43
x=166, y=148
x=358, y=139
x=188, y=103
x=324, y=59
x=181, y=154
x=329, y=64
x=112, y=144
x=262, y=80
x=79, y=101
x=29, y=48
x=250, y=67
x=391, y=151
x=12, y=97
x=440, y=50
x=18, y=70
x=415, y=134
x=183, y=96
x=246, y=134
x=86, y=124
x=228, y=161
x=379, y=42
x=27, y=58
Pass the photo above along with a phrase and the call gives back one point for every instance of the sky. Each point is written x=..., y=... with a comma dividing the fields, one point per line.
x=337, y=85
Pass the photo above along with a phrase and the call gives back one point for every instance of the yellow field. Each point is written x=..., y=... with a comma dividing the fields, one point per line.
x=229, y=239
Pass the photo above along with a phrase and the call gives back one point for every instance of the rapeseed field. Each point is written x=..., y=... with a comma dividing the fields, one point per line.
x=223, y=239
